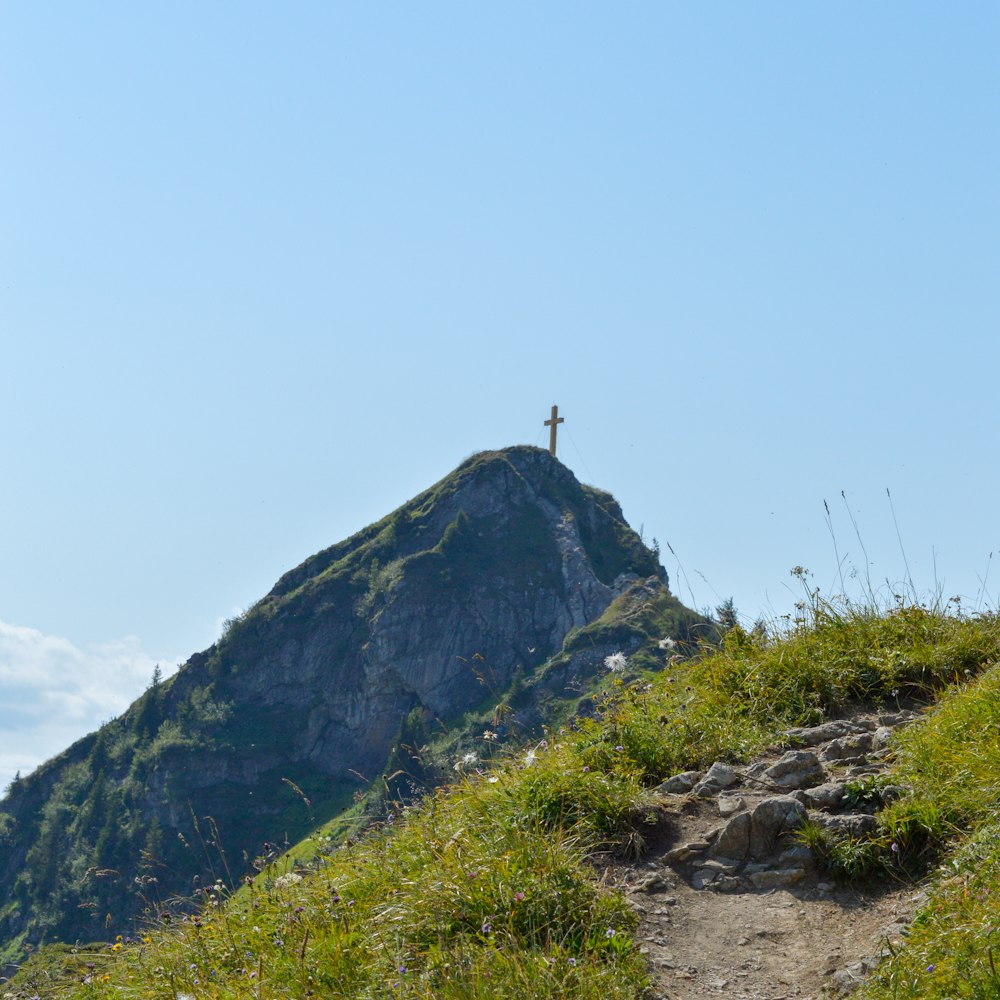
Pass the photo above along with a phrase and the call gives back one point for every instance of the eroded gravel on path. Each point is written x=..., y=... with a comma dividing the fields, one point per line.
x=732, y=905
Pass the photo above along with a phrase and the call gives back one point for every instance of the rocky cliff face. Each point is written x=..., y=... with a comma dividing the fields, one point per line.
x=427, y=614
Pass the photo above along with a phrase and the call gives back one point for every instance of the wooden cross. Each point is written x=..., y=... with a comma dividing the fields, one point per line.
x=553, y=423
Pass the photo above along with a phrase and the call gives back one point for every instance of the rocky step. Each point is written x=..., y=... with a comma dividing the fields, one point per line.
x=752, y=849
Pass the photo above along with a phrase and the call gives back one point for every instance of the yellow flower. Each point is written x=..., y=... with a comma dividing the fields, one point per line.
x=117, y=946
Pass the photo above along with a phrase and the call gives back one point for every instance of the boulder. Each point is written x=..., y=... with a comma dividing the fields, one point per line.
x=718, y=777
x=771, y=819
x=826, y=796
x=734, y=839
x=680, y=783
x=796, y=769
x=848, y=747
x=851, y=824
x=730, y=804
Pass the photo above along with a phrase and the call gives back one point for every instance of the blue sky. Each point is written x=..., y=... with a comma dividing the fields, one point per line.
x=267, y=271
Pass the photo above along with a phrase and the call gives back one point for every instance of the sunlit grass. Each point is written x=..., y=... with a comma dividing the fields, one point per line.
x=488, y=888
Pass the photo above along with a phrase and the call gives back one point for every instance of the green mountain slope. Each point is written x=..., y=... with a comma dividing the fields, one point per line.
x=493, y=888
x=506, y=581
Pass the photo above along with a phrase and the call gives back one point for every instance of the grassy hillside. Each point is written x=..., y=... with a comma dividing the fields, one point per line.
x=457, y=600
x=489, y=888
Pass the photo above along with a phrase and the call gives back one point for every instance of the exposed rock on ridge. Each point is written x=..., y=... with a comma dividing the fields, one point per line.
x=429, y=613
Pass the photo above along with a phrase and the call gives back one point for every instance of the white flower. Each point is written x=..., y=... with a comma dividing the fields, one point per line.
x=489, y=735
x=287, y=881
x=667, y=643
x=529, y=758
x=616, y=662
x=466, y=760
x=492, y=779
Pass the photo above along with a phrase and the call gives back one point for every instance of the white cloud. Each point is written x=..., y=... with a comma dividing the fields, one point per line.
x=52, y=692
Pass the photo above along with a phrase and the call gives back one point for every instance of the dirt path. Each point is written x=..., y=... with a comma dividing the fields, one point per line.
x=765, y=925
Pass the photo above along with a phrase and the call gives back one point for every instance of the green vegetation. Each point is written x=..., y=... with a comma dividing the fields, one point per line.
x=952, y=764
x=489, y=888
x=442, y=616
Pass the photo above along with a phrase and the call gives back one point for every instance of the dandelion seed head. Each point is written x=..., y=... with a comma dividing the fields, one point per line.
x=616, y=662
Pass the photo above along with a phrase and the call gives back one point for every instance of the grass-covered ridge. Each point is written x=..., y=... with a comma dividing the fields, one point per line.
x=489, y=888
x=308, y=696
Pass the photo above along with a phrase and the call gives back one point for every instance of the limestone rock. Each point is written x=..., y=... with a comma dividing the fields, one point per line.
x=734, y=840
x=848, y=747
x=796, y=769
x=686, y=851
x=811, y=736
x=777, y=878
x=680, y=783
x=772, y=818
x=851, y=824
x=882, y=736
x=703, y=878
x=718, y=777
x=730, y=804
x=826, y=796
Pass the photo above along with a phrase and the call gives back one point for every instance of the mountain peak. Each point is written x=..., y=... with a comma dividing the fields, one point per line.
x=432, y=612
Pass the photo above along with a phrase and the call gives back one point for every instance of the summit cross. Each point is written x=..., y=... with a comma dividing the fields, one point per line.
x=553, y=423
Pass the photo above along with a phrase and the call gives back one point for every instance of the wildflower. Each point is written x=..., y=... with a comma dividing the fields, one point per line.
x=487, y=926
x=287, y=880
x=610, y=932
x=930, y=968
x=489, y=735
x=667, y=643
x=619, y=748
x=894, y=847
x=572, y=961
x=519, y=897
x=616, y=662
x=466, y=760
x=529, y=758
x=117, y=946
